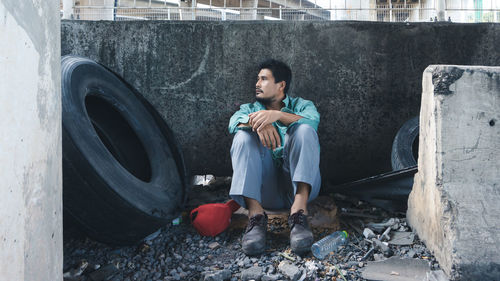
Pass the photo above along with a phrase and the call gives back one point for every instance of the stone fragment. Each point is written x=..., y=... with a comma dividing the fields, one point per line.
x=252, y=273
x=368, y=233
x=270, y=277
x=402, y=238
x=219, y=275
x=214, y=245
x=290, y=271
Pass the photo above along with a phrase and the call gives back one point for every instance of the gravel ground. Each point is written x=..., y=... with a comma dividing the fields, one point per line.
x=177, y=252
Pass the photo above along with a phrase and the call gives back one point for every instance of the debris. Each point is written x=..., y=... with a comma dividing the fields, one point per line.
x=350, y=213
x=177, y=220
x=379, y=227
x=213, y=245
x=406, y=269
x=103, y=273
x=368, y=254
x=378, y=257
x=252, y=273
x=382, y=246
x=340, y=273
x=270, y=277
x=385, y=235
x=286, y=256
x=77, y=271
x=402, y=238
x=218, y=275
x=368, y=233
x=290, y=271
x=180, y=253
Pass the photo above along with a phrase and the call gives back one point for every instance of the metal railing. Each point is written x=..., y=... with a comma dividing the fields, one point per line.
x=361, y=10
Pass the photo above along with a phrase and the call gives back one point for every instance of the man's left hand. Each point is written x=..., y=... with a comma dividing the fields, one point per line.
x=262, y=118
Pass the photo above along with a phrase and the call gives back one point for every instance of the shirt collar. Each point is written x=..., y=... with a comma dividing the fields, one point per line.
x=286, y=101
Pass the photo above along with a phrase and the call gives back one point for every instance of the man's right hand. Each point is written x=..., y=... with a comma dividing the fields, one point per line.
x=269, y=136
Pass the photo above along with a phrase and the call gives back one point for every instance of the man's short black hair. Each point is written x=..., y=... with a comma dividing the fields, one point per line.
x=280, y=70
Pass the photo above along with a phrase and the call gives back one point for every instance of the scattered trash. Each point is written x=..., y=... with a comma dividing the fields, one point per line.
x=177, y=221
x=287, y=256
x=180, y=253
x=340, y=273
x=368, y=233
x=379, y=227
x=328, y=244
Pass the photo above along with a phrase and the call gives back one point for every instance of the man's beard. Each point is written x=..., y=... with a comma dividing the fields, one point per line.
x=265, y=101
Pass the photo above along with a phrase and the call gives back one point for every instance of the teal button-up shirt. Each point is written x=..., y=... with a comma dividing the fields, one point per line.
x=294, y=105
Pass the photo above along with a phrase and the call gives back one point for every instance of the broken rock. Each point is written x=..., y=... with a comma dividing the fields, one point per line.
x=368, y=233
x=290, y=271
x=402, y=238
x=252, y=273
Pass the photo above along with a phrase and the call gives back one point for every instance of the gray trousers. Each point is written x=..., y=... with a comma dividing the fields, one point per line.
x=256, y=176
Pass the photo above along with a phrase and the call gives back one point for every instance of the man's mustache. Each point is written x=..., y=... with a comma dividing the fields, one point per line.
x=258, y=90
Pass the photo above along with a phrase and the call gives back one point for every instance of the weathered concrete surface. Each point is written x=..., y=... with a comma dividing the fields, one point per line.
x=30, y=141
x=364, y=77
x=454, y=205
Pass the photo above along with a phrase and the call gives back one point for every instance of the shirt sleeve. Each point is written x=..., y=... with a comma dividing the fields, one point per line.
x=309, y=113
x=240, y=116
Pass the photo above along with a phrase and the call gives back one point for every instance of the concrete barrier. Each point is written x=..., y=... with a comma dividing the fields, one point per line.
x=454, y=202
x=365, y=77
x=30, y=142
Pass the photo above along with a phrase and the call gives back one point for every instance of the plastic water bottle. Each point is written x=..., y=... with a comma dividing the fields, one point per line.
x=329, y=244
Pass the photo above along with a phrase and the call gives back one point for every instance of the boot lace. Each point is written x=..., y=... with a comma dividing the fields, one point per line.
x=297, y=218
x=254, y=221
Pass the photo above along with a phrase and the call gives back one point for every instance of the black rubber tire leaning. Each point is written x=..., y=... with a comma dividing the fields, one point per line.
x=405, y=145
x=123, y=171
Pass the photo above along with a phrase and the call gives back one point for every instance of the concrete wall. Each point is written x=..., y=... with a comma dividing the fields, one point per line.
x=30, y=141
x=454, y=202
x=364, y=77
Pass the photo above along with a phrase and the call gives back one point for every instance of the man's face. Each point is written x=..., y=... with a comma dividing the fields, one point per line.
x=266, y=90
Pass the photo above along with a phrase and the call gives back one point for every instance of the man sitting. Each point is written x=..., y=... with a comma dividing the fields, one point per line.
x=275, y=158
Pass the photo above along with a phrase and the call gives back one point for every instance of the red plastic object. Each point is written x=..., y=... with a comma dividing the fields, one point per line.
x=212, y=219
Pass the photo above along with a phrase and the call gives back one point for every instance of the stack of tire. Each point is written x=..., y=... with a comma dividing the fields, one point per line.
x=123, y=172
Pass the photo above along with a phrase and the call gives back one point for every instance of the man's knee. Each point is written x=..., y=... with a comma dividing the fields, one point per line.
x=244, y=138
x=304, y=132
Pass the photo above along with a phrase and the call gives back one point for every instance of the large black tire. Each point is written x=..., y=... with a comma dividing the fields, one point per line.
x=123, y=172
x=405, y=145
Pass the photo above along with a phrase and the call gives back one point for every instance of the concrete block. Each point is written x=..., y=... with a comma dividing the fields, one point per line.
x=30, y=141
x=454, y=205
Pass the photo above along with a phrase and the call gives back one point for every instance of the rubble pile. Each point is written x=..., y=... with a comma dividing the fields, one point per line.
x=177, y=252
